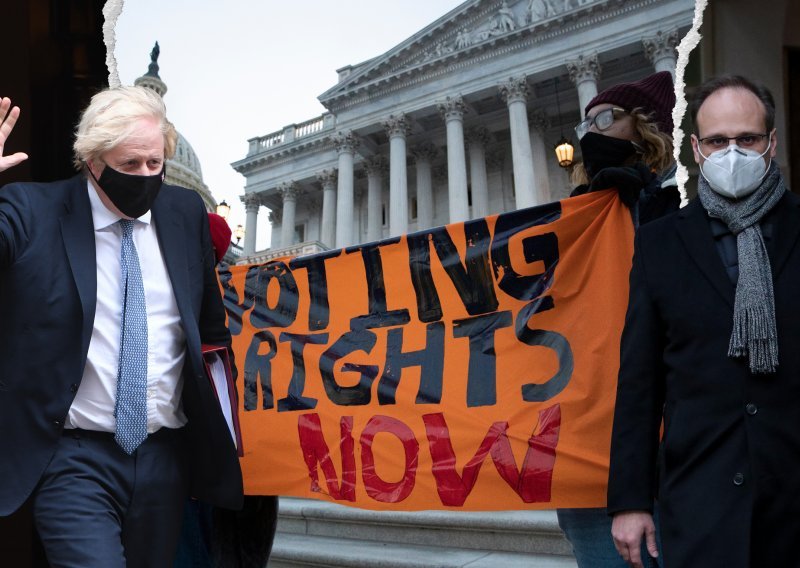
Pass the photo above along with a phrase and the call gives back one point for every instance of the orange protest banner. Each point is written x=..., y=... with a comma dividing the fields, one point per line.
x=471, y=366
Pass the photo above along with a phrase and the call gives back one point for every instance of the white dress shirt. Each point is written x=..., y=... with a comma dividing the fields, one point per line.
x=93, y=407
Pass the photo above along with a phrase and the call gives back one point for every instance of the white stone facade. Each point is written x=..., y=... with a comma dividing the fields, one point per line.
x=457, y=122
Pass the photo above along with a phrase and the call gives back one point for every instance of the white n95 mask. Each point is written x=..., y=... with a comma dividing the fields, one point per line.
x=734, y=172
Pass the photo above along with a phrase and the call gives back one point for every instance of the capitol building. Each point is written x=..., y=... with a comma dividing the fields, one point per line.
x=458, y=121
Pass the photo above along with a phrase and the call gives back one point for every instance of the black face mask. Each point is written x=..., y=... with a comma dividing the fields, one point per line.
x=132, y=194
x=600, y=152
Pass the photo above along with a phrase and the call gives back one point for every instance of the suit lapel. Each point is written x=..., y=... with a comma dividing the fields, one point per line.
x=695, y=233
x=172, y=240
x=786, y=231
x=77, y=232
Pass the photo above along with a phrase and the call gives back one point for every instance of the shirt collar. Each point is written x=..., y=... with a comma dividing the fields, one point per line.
x=102, y=217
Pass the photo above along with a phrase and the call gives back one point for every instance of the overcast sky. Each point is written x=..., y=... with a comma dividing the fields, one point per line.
x=245, y=68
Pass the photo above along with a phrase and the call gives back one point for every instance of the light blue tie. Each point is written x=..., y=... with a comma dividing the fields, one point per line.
x=131, y=407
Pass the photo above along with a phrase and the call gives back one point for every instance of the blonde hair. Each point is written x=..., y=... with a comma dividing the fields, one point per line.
x=657, y=146
x=111, y=117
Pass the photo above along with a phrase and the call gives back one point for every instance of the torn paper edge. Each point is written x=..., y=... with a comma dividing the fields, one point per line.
x=688, y=43
x=111, y=11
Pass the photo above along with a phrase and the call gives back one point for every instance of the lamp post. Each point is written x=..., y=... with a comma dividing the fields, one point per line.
x=223, y=209
x=564, y=152
x=564, y=149
x=238, y=233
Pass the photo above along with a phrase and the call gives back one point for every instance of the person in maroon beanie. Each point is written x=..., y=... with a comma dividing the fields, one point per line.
x=626, y=144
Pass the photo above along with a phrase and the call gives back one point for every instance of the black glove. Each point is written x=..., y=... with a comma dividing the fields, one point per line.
x=628, y=181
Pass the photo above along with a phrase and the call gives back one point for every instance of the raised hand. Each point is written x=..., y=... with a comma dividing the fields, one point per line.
x=8, y=118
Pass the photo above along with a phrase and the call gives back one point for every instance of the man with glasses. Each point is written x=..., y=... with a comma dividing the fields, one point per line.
x=710, y=348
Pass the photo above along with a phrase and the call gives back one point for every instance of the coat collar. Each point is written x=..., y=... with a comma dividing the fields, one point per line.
x=77, y=231
x=786, y=231
x=172, y=235
x=695, y=233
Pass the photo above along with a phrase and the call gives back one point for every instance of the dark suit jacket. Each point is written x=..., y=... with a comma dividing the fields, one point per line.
x=728, y=482
x=48, y=291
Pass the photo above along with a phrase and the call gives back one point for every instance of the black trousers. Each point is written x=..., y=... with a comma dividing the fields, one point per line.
x=96, y=506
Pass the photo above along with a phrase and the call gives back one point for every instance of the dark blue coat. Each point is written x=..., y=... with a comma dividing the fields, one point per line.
x=48, y=290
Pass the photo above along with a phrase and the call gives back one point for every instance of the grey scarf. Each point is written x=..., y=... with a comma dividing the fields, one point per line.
x=754, y=330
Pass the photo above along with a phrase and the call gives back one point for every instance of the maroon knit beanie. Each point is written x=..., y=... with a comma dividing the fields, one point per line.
x=220, y=234
x=654, y=94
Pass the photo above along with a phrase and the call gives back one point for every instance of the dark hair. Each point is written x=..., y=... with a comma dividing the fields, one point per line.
x=735, y=82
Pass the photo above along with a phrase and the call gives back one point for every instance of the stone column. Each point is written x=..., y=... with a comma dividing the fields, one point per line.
x=251, y=204
x=660, y=50
x=424, y=154
x=289, y=191
x=313, y=205
x=397, y=128
x=584, y=72
x=515, y=93
x=541, y=154
x=477, y=140
x=275, y=219
x=328, y=225
x=375, y=166
x=346, y=144
x=452, y=110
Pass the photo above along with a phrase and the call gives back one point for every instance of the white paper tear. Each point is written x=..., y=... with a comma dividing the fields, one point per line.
x=111, y=11
x=688, y=43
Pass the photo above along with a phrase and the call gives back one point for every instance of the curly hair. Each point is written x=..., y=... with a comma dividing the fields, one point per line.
x=656, y=147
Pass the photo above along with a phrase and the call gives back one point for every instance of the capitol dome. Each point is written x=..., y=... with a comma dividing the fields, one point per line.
x=183, y=168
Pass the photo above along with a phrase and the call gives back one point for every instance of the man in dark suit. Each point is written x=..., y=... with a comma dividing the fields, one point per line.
x=107, y=291
x=710, y=346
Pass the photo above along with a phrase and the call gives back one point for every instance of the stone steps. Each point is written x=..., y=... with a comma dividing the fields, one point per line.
x=319, y=534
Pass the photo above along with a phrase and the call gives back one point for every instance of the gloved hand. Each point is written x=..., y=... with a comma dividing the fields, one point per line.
x=628, y=181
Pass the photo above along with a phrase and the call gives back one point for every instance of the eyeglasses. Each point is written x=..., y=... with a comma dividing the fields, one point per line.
x=721, y=142
x=602, y=121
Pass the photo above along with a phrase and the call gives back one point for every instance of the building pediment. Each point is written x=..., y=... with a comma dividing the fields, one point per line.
x=470, y=29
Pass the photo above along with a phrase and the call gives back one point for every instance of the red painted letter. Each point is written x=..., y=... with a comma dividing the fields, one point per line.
x=532, y=484
x=316, y=452
x=378, y=489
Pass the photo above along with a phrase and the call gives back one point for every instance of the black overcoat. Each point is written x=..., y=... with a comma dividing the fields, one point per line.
x=728, y=476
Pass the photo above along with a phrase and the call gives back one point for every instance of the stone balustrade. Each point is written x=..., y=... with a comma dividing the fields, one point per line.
x=299, y=249
x=291, y=133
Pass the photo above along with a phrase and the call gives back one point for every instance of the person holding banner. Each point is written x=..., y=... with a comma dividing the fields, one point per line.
x=709, y=350
x=107, y=291
x=220, y=537
x=626, y=144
